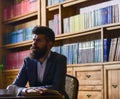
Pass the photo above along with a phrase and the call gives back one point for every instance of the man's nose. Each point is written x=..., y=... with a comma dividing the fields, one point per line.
x=34, y=42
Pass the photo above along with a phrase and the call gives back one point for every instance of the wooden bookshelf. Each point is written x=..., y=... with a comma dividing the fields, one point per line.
x=21, y=17
x=17, y=45
x=93, y=86
x=94, y=77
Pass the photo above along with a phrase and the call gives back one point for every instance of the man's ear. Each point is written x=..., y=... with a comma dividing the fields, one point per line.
x=50, y=44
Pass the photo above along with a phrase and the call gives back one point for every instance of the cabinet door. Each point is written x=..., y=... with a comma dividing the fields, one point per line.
x=90, y=95
x=1, y=80
x=89, y=75
x=70, y=70
x=112, y=81
x=9, y=77
x=90, y=92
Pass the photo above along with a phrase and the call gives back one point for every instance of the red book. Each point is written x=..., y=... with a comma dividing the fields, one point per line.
x=14, y=60
x=22, y=56
x=8, y=62
x=33, y=5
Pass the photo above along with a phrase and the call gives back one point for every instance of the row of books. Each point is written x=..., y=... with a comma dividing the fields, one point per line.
x=15, y=60
x=115, y=49
x=54, y=24
x=92, y=16
x=18, y=36
x=82, y=52
x=91, y=51
x=51, y=2
x=76, y=53
x=24, y=7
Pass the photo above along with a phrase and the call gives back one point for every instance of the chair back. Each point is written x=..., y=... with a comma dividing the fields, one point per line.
x=71, y=86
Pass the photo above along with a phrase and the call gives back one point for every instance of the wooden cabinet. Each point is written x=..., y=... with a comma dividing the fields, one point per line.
x=9, y=77
x=90, y=94
x=90, y=81
x=70, y=70
x=16, y=15
x=97, y=76
x=112, y=81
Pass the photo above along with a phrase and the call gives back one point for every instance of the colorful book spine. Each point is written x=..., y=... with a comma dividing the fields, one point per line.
x=107, y=42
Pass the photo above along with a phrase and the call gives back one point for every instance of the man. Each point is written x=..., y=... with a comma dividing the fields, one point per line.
x=43, y=68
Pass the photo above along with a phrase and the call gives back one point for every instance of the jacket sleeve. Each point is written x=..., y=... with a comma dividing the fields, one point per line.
x=21, y=78
x=60, y=74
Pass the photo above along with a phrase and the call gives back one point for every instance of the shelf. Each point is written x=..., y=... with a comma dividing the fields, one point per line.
x=113, y=26
x=16, y=45
x=76, y=65
x=88, y=31
x=69, y=35
x=12, y=71
x=77, y=34
x=65, y=4
x=19, y=18
x=85, y=64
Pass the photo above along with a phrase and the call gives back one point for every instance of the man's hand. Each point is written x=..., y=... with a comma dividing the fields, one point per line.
x=33, y=90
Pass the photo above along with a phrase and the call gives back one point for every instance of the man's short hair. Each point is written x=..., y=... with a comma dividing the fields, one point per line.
x=46, y=31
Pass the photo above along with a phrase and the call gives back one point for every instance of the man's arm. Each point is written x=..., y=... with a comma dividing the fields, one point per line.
x=60, y=74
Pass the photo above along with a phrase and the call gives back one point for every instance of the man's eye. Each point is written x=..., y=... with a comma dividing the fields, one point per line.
x=37, y=40
x=34, y=39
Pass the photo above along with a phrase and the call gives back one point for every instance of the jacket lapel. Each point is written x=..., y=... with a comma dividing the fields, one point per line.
x=33, y=71
x=48, y=65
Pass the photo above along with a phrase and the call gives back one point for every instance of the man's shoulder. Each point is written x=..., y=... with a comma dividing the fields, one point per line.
x=29, y=59
x=55, y=54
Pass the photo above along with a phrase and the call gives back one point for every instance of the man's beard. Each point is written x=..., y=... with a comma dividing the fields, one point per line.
x=37, y=53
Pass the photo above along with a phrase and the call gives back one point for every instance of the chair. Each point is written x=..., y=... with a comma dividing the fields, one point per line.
x=71, y=86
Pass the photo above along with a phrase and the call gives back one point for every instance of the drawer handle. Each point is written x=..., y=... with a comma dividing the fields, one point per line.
x=88, y=76
x=114, y=86
x=88, y=95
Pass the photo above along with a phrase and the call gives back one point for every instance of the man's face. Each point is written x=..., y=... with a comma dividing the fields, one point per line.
x=39, y=46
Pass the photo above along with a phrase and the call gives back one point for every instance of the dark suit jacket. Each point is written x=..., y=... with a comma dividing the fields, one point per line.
x=54, y=73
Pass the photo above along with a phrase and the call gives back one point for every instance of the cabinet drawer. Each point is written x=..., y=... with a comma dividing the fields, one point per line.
x=89, y=75
x=10, y=79
x=90, y=95
x=70, y=70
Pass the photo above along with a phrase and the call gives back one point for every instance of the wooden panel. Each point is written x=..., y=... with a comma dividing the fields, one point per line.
x=70, y=70
x=1, y=80
x=112, y=81
x=9, y=77
x=89, y=75
x=90, y=88
x=89, y=95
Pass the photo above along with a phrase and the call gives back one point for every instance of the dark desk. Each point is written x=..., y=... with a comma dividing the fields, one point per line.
x=32, y=97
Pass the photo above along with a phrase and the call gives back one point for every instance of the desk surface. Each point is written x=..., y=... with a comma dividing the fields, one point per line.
x=31, y=97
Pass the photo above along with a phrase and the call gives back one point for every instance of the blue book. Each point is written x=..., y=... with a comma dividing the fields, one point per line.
x=28, y=33
x=64, y=51
x=61, y=0
x=107, y=42
x=104, y=14
x=20, y=35
x=13, y=37
x=110, y=15
x=70, y=55
x=75, y=53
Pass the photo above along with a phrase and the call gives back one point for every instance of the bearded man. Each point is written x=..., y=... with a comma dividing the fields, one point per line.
x=43, y=68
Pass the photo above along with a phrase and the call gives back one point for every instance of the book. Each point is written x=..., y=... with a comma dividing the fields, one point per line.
x=117, y=53
x=107, y=42
x=112, y=49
